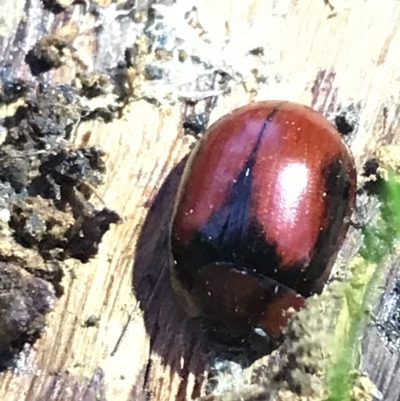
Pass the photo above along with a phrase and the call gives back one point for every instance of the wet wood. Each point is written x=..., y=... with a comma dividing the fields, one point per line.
x=331, y=55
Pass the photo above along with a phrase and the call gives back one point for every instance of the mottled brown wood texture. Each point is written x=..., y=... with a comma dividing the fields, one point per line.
x=328, y=55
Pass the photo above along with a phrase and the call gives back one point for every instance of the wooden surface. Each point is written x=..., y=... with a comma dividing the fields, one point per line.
x=331, y=56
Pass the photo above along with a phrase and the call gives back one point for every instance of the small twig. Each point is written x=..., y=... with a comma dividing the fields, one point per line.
x=124, y=330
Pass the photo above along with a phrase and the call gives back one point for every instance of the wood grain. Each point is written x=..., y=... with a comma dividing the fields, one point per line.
x=329, y=56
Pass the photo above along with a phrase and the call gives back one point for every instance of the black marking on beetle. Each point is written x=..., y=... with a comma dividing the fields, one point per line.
x=249, y=252
x=230, y=235
x=303, y=276
x=228, y=226
x=337, y=188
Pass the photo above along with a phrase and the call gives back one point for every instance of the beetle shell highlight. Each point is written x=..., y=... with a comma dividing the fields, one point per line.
x=262, y=211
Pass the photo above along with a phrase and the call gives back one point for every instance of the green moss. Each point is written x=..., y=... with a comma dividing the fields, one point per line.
x=380, y=237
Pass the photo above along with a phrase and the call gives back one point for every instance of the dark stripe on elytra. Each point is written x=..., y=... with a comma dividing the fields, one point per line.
x=337, y=181
x=227, y=229
x=229, y=235
x=228, y=226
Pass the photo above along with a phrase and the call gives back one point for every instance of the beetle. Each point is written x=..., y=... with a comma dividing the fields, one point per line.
x=262, y=210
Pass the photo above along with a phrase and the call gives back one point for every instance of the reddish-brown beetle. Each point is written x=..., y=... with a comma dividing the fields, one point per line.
x=263, y=208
